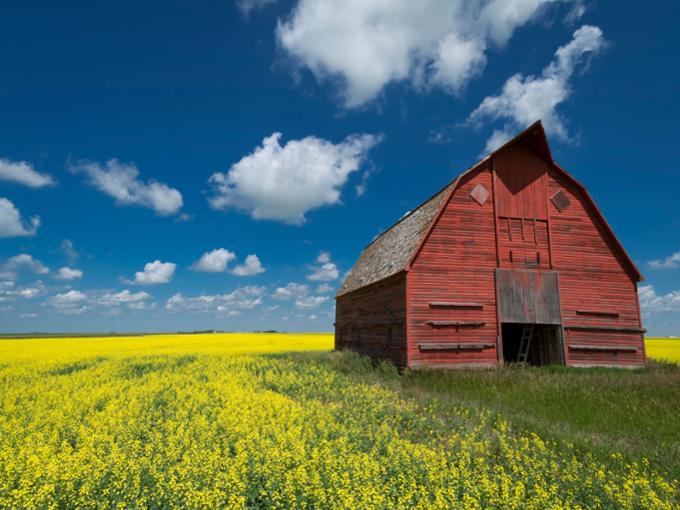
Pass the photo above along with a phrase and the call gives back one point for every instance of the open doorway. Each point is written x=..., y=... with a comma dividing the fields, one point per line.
x=534, y=344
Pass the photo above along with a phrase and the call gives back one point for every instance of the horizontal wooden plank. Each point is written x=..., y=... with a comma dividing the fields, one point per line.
x=454, y=346
x=602, y=347
x=372, y=323
x=599, y=313
x=636, y=366
x=593, y=327
x=457, y=365
x=455, y=324
x=455, y=304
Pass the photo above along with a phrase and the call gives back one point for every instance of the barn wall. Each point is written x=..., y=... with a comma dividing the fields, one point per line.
x=596, y=285
x=598, y=293
x=452, y=280
x=372, y=320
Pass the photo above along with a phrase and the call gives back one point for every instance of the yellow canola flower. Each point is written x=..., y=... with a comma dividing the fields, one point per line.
x=268, y=421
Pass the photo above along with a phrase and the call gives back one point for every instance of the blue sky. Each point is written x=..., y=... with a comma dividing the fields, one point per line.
x=221, y=164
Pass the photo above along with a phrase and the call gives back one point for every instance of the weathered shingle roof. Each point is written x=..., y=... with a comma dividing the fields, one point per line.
x=392, y=250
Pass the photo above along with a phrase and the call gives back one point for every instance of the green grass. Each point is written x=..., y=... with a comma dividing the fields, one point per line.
x=602, y=410
x=636, y=413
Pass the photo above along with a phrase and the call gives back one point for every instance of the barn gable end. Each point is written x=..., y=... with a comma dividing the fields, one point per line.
x=513, y=248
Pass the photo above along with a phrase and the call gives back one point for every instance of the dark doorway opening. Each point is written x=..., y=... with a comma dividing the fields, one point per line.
x=534, y=344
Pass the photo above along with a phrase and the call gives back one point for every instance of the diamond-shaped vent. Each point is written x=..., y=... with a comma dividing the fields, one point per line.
x=480, y=194
x=560, y=200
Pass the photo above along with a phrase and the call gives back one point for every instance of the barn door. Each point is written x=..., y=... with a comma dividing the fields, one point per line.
x=528, y=297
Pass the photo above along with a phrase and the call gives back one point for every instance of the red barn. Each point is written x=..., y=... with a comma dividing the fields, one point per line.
x=512, y=261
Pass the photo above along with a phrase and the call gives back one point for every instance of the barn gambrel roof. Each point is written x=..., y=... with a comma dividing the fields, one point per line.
x=394, y=250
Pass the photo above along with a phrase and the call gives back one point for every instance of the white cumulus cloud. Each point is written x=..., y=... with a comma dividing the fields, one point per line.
x=651, y=302
x=283, y=183
x=11, y=222
x=7, y=292
x=120, y=181
x=72, y=296
x=310, y=301
x=20, y=262
x=23, y=173
x=155, y=273
x=523, y=100
x=325, y=270
x=214, y=261
x=300, y=295
x=124, y=297
x=364, y=45
x=68, y=273
x=28, y=292
x=670, y=262
x=324, y=288
x=290, y=291
x=72, y=302
x=250, y=267
x=231, y=304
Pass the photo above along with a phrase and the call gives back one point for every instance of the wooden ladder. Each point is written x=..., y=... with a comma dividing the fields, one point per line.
x=525, y=343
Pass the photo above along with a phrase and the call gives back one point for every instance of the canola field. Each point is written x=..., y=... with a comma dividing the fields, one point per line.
x=663, y=349
x=271, y=421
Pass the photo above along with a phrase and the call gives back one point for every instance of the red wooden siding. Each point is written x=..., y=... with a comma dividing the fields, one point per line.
x=520, y=184
x=456, y=265
x=596, y=285
x=521, y=208
x=371, y=312
x=523, y=243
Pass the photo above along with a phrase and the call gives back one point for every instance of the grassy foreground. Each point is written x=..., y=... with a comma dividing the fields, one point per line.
x=277, y=421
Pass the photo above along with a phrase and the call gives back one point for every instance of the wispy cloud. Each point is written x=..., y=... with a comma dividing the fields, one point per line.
x=124, y=297
x=76, y=302
x=12, y=224
x=524, y=100
x=247, y=6
x=22, y=262
x=22, y=172
x=670, y=262
x=300, y=294
x=120, y=181
x=69, y=250
x=651, y=302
